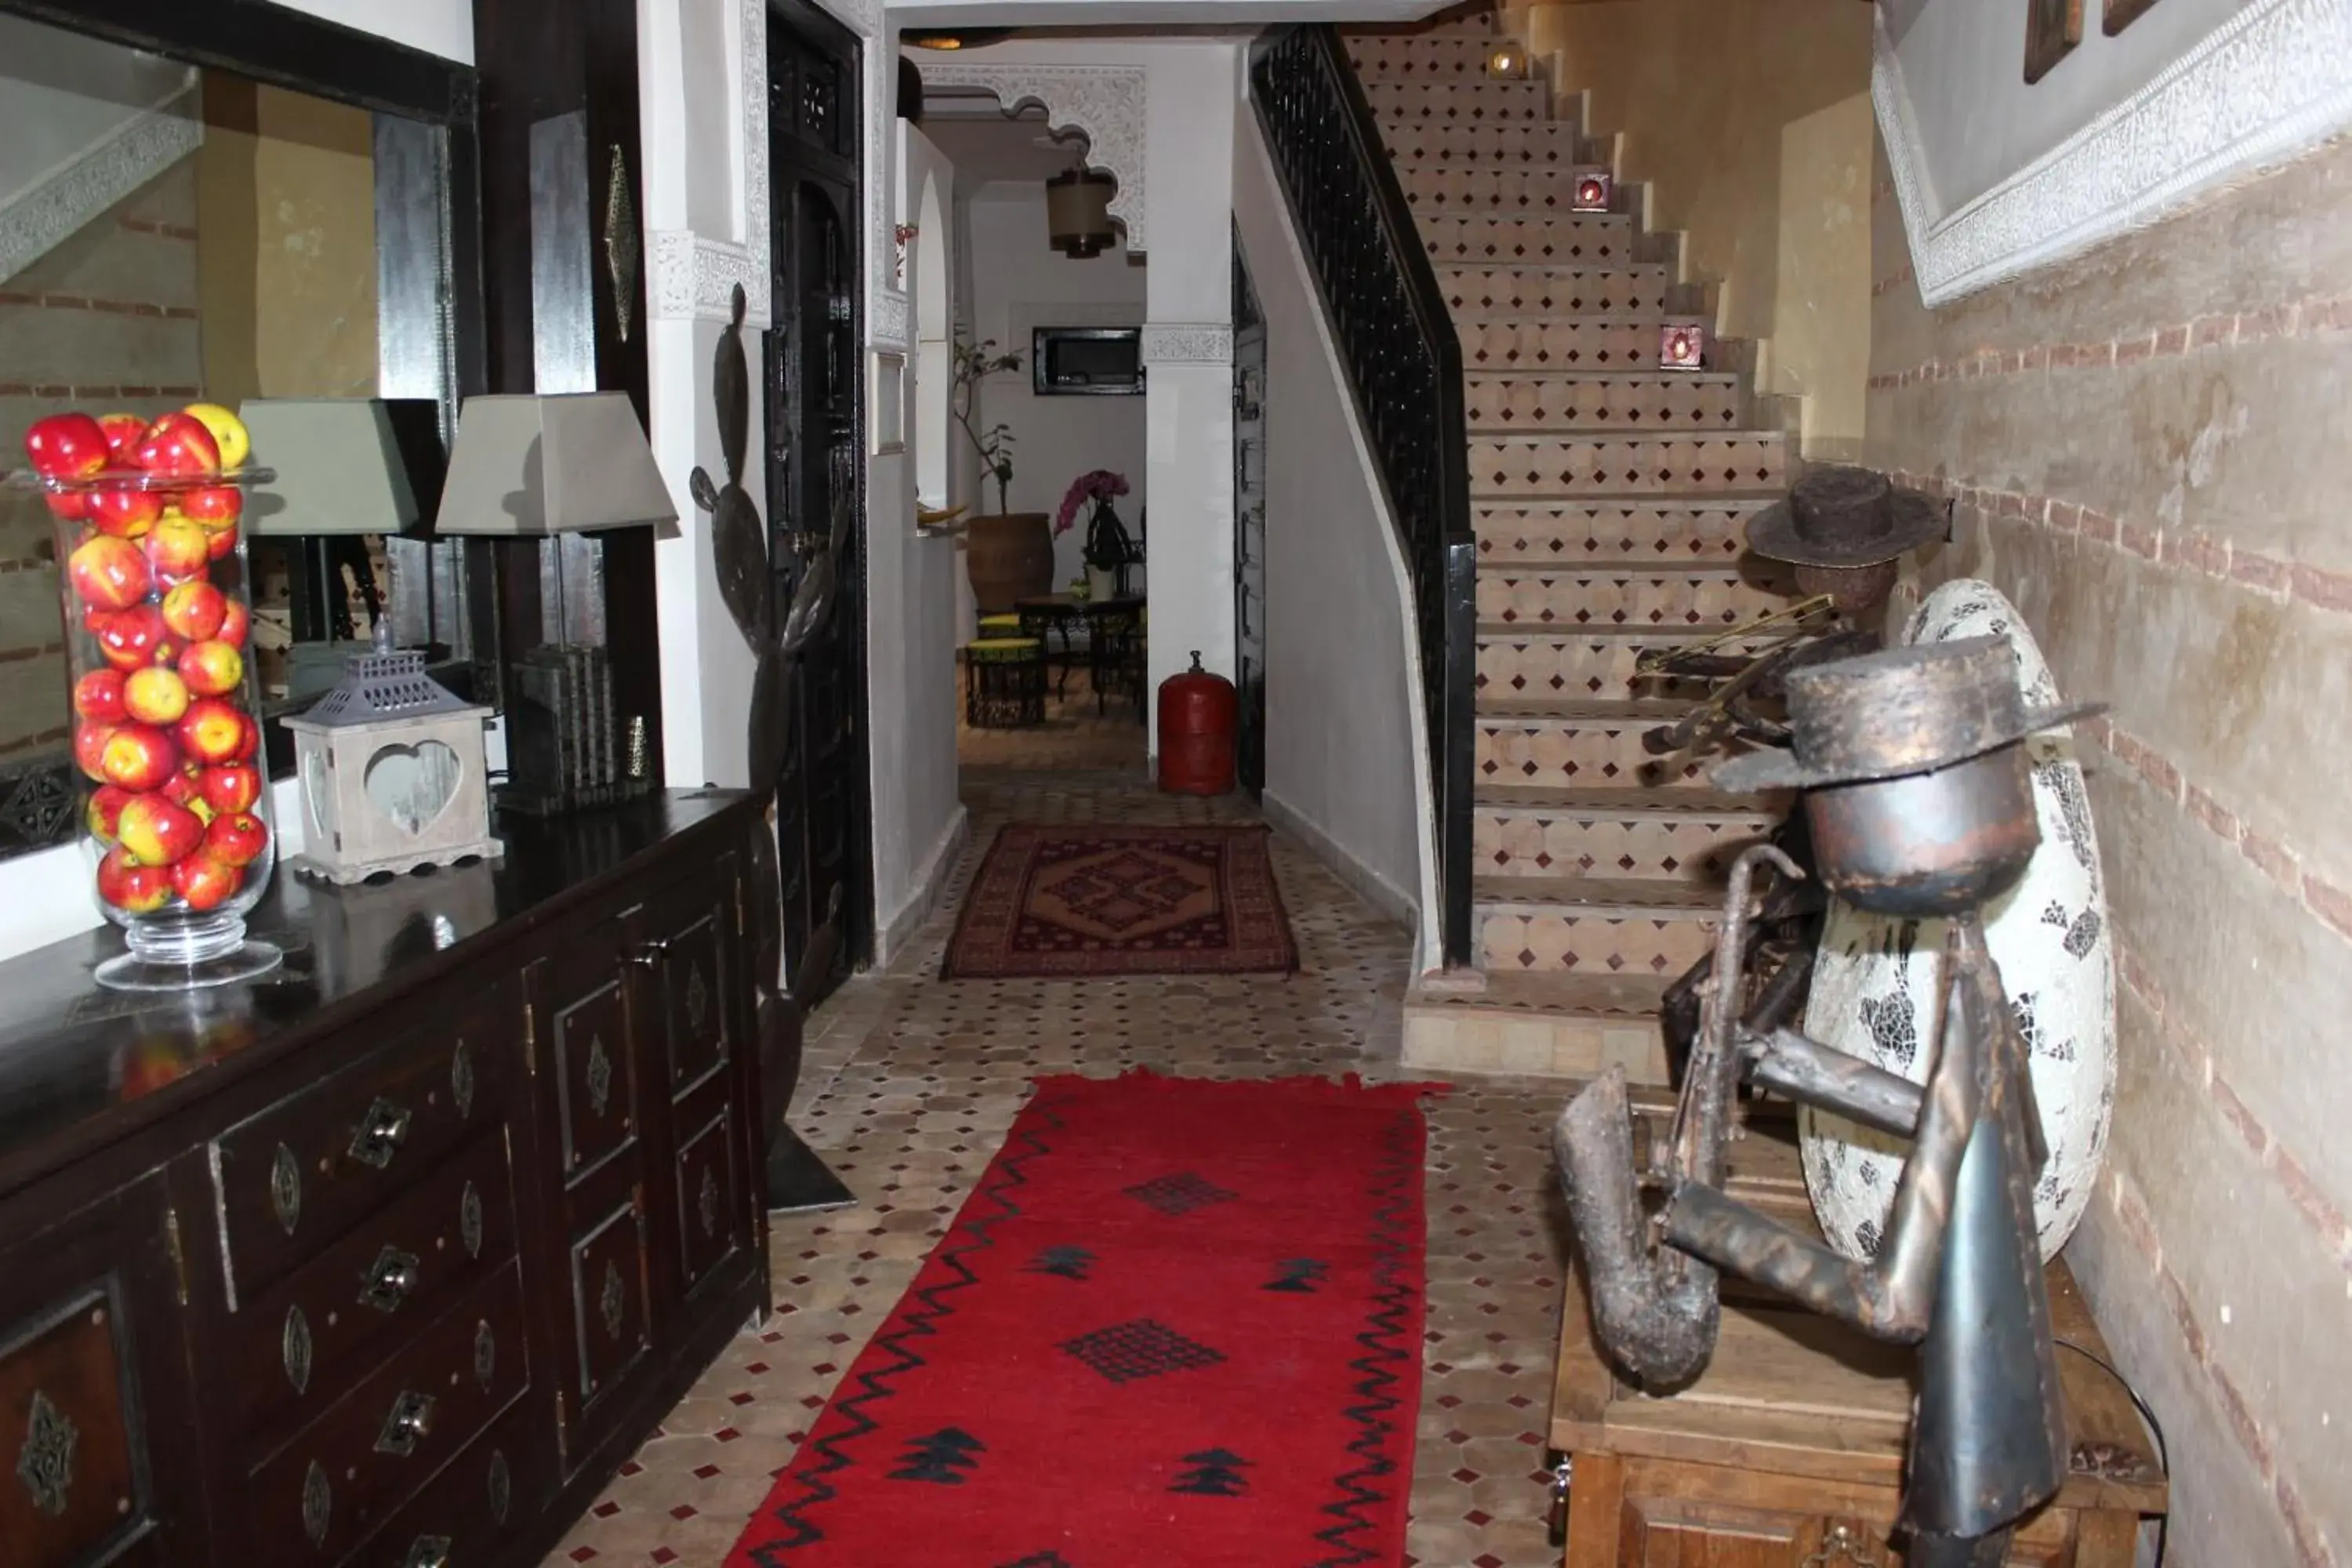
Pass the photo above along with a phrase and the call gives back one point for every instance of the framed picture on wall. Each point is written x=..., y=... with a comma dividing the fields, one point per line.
x=885, y=417
x=2053, y=28
x=2118, y=15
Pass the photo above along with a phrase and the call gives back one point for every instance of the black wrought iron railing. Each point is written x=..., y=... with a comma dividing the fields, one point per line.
x=1403, y=364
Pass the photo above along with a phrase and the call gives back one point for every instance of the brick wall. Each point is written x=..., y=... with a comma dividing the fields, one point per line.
x=107, y=321
x=2149, y=452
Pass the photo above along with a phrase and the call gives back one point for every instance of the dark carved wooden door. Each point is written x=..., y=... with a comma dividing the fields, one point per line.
x=1249, y=528
x=814, y=378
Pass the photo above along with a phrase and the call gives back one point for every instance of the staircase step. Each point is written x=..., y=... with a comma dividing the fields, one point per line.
x=1563, y=535
x=1671, y=596
x=1564, y=464
x=1508, y=143
x=1473, y=292
x=1561, y=342
x=1558, y=1024
x=1576, y=239
x=1521, y=190
x=1560, y=743
x=1484, y=102
x=1638, y=399
x=1592, y=924
x=1639, y=834
x=1418, y=57
x=1519, y=660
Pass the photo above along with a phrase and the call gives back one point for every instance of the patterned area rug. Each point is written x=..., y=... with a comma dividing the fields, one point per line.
x=1072, y=903
x=1177, y=1321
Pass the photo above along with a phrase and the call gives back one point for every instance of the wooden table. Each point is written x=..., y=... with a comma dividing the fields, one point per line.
x=1795, y=1433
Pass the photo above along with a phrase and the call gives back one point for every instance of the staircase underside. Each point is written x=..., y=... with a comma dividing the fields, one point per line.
x=1610, y=496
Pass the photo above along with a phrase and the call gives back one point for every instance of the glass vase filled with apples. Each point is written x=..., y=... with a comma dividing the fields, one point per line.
x=177, y=830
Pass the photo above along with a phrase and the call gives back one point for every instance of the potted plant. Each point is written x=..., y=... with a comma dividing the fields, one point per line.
x=1109, y=551
x=1010, y=555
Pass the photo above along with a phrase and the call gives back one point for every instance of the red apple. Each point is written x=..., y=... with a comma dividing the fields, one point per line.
x=231, y=787
x=69, y=506
x=249, y=743
x=178, y=549
x=139, y=757
x=65, y=446
x=155, y=832
x=90, y=749
x=125, y=513
x=214, y=506
x=220, y=541
x=129, y=885
x=194, y=609
x=99, y=695
x=104, y=813
x=213, y=731
x=236, y=839
x=136, y=637
x=235, y=622
x=211, y=668
x=123, y=433
x=205, y=881
x=156, y=695
x=178, y=447
x=108, y=573
x=229, y=432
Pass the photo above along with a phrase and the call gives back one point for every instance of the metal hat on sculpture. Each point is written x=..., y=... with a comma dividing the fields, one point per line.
x=1078, y=212
x=1840, y=516
x=1875, y=977
x=391, y=770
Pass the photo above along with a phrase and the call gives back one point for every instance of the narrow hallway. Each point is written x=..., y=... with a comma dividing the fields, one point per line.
x=908, y=1085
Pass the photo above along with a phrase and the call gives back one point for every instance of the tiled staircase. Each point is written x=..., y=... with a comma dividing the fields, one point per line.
x=1610, y=497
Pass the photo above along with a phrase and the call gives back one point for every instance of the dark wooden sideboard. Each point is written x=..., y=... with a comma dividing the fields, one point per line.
x=394, y=1257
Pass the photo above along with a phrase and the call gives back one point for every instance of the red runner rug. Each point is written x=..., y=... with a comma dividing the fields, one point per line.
x=1177, y=1322
x=1074, y=902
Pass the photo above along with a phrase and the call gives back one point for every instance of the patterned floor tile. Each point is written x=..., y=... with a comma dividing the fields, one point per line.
x=909, y=1084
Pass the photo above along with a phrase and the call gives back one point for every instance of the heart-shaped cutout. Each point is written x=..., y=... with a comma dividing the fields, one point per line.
x=413, y=786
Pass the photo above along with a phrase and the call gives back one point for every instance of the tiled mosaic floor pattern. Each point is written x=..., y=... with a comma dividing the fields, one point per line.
x=908, y=1087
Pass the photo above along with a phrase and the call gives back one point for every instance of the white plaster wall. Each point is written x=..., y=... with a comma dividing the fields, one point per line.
x=444, y=27
x=1020, y=284
x=1964, y=68
x=1346, y=761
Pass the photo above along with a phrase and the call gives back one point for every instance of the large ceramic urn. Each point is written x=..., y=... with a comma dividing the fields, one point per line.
x=1009, y=556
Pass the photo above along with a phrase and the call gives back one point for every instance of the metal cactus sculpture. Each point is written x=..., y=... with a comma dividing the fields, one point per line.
x=737, y=550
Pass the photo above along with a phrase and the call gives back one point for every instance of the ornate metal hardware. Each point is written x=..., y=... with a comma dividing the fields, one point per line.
x=46, y=1463
x=382, y=1131
x=485, y=1354
x=406, y=1425
x=709, y=1201
x=1842, y=1548
x=461, y=1078
x=469, y=1220
x=389, y=1279
x=649, y=952
x=285, y=1188
x=622, y=240
x=615, y=1301
x=428, y=1551
x=600, y=1076
x=501, y=1486
x=1563, y=1474
x=294, y=1345
x=318, y=1503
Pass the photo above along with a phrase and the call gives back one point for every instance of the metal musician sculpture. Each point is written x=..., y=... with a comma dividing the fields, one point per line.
x=1917, y=797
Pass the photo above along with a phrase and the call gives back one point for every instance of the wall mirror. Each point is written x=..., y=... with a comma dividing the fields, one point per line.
x=211, y=200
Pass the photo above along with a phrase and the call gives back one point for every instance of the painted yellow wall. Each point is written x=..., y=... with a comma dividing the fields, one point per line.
x=1749, y=121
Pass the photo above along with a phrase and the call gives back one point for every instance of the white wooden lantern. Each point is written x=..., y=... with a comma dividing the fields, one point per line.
x=392, y=775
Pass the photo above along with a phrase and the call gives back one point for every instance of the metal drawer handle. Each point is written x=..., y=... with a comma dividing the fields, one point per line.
x=389, y=1279
x=650, y=953
x=428, y=1551
x=405, y=1427
x=382, y=1131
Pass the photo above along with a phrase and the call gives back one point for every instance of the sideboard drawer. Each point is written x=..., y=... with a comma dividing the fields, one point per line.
x=386, y=1279
x=470, y=1512
x=337, y=1482
x=294, y=1176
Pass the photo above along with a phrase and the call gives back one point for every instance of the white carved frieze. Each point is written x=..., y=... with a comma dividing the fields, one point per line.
x=1106, y=102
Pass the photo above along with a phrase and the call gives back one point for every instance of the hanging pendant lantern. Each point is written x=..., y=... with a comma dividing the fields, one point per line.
x=1077, y=213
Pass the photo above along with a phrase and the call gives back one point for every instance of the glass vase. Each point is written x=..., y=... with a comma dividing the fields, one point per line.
x=177, y=833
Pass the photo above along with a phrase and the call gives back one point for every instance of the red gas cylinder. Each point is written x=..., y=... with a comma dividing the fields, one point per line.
x=1198, y=711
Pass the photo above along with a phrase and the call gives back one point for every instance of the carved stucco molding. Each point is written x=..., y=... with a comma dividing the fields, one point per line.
x=1106, y=102
x=2271, y=82
x=1188, y=343
x=144, y=145
x=694, y=275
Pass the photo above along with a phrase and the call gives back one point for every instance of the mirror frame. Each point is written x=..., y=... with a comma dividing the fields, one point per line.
x=279, y=47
